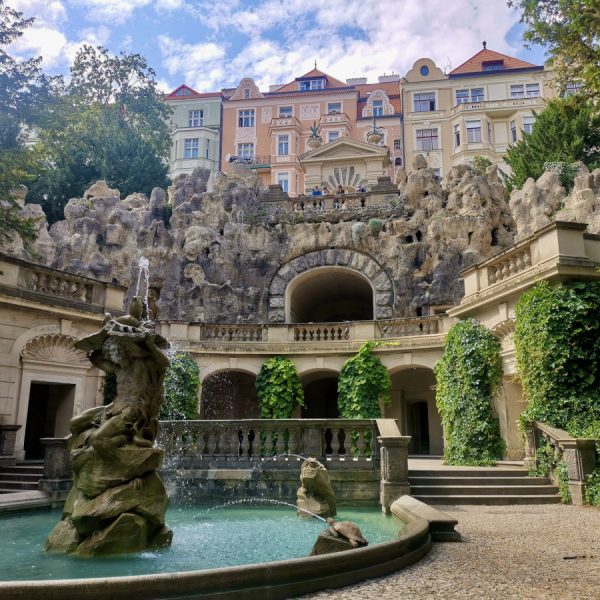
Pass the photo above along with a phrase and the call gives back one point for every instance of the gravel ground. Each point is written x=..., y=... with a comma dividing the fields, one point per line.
x=543, y=551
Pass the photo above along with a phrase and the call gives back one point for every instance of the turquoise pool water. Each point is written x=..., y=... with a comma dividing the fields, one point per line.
x=203, y=539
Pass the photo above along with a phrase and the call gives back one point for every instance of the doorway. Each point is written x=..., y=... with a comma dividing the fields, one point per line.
x=419, y=428
x=49, y=412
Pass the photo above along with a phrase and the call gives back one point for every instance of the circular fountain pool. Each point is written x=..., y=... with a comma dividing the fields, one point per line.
x=204, y=538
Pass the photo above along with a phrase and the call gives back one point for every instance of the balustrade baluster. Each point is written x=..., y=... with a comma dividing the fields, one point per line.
x=293, y=440
x=234, y=442
x=280, y=443
x=211, y=443
x=335, y=442
x=268, y=451
x=245, y=453
x=362, y=443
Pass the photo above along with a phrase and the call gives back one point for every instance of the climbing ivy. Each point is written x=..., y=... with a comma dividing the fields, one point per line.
x=182, y=381
x=557, y=341
x=278, y=388
x=363, y=385
x=467, y=376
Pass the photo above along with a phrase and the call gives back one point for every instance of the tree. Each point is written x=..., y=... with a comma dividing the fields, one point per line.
x=570, y=29
x=109, y=123
x=25, y=92
x=565, y=132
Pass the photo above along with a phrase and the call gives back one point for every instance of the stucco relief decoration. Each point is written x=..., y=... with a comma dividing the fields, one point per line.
x=245, y=135
x=310, y=111
x=266, y=115
x=247, y=84
x=388, y=109
x=55, y=348
x=505, y=332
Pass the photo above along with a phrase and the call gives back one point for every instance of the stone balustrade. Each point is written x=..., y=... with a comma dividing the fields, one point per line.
x=509, y=265
x=579, y=454
x=28, y=281
x=313, y=333
x=495, y=105
x=339, y=443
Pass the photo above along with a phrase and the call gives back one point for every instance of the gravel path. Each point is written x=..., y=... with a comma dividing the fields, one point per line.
x=543, y=551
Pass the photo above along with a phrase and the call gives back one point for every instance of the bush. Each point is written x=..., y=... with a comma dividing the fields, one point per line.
x=182, y=381
x=363, y=385
x=467, y=376
x=278, y=388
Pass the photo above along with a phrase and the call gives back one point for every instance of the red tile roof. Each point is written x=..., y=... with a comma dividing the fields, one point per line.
x=193, y=94
x=475, y=63
x=332, y=82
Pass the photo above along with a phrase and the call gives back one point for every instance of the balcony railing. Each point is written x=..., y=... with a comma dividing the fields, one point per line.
x=491, y=105
x=252, y=162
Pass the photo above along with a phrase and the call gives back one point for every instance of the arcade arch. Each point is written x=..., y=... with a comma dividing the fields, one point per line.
x=229, y=394
x=320, y=395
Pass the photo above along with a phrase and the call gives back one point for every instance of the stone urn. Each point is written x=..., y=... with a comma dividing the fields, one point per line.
x=314, y=141
x=374, y=136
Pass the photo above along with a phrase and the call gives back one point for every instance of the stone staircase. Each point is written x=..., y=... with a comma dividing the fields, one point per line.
x=439, y=484
x=21, y=478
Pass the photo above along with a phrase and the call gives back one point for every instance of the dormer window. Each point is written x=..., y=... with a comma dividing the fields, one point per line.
x=246, y=93
x=183, y=92
x=492, y=65
x=312, y=84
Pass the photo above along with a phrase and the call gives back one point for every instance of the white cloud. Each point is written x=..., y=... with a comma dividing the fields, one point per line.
x=110, y=11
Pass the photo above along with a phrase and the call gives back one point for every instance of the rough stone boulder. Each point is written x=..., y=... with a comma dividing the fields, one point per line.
x=327, y=543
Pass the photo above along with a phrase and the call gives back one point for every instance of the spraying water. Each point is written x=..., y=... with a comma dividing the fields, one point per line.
x=144, y=269
x=265, y=501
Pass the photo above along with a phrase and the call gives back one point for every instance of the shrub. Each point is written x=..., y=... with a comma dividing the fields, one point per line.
x=467, y=376
x=278, y=388
x=182, y=381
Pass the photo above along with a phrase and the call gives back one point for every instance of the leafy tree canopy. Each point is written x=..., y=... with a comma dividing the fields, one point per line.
x=108, y=123
x=566, y=132
x=571, y=31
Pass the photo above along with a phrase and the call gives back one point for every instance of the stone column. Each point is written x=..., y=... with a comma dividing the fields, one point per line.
x=580, y=457
x=58, y=473
x=312, y=441
x=394, y=463
x=8, y=437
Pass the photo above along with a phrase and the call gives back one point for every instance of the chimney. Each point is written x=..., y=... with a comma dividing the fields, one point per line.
x=356, y=81
x=275, y=87
x=484, y=44
x=388, y=78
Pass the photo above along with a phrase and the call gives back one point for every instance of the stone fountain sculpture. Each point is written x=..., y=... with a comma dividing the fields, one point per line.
x=117, y=503
x=316, y=494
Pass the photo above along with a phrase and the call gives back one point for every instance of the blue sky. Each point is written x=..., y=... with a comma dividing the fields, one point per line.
x=210, y=44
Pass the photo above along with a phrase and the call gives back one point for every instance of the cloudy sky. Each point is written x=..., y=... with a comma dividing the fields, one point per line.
x=210, y=44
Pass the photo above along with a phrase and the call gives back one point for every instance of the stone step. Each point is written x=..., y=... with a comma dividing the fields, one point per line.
x=10, y=476
x=482, y=490
x=450, y=480
x=489, y=500
x=24, y=469
x=474, y=472
x=18, y=485
x=23, y=500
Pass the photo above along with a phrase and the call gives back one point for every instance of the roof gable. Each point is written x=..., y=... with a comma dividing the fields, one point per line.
x=344, y=148
x=477, y=63
x=185, y=92
x=331, y=82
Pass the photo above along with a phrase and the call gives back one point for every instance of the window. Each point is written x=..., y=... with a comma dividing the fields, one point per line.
x=477, y=95
x=424, y=102
x=457, y=135
x=532, y=90
x=516, y=91
x=473, y=132
x=462, y=96
x=190, y=148
x=283, y=145
x=207, y=149
x=397, y=144
x=285, y=111
x=246, y=93
x=333, y=108
x=528, y=124
x=183, y=92
x=490, y=132
x=572, y=88
x=424, y=70
x=312, y=84
x=377, y=108
x=427, y=139
x=246, y=118
x=283, y=179
x=332, y=135
x=195, y=118
x=513, y=131
x=245, y=150
x=492, y=65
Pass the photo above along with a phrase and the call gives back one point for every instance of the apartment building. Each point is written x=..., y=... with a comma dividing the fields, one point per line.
x=478, y=108
x=195, y=130
x=314, y=119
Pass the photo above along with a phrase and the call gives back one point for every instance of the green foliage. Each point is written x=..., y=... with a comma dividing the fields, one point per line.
x=481, y=164
x=544, y=459
x=562, y=476
x=592, y=487
x=182, y=381
x=467, y=376
x=375, y=226
x=109, y=389
x=363, y=385
x=557, y=341
x=569, y=29
x=109, y=123
x=565, y=132
x=278, y=388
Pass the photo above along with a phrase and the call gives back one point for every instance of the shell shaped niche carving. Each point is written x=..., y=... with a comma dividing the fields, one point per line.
x=55, y=348
x=505, y=331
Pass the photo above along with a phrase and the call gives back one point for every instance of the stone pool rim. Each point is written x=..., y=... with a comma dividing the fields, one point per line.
x=273, y=580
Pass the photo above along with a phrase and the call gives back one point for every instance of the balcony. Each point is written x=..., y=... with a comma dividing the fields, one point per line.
x=252, y=162
x=334, y=118
x=284, y=123
x=499, y=108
